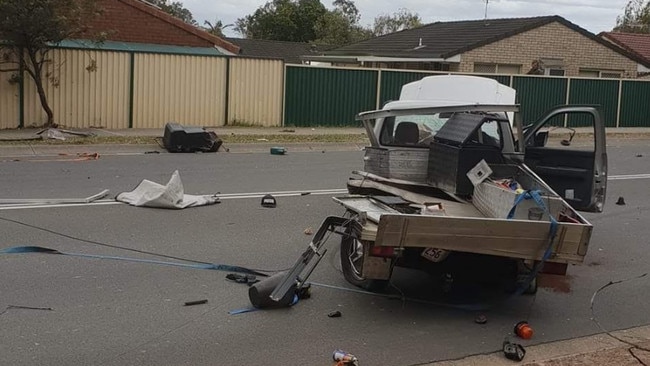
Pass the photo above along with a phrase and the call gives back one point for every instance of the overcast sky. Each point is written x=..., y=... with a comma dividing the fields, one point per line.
x=593, y=15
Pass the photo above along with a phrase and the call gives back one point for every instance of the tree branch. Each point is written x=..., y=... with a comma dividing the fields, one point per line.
x=9, y=70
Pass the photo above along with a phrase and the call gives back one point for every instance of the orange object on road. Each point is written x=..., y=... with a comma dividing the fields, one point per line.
x=523, y=330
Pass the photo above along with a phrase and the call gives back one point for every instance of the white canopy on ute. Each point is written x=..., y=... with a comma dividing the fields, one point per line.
x=458, y=90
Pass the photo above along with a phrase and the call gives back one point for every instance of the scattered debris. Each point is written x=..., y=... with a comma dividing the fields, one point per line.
x=343, y=358
x=288, y=130
x=52, y=133
x=172, y=195
x=242, y=278
x=334, y=314
x=9, y=307
x=178, y=138
x=152, y=152
x=53, y=201
x=304, y=292
x=481, y=319
x=513, y=351
x=197, y=302
x=309, y=231
x=59, y=134
x=305, y=193
x=621, y=201
x=278, y=150
x=88, y=156
x=523, y=330
x=259, y=293
x=269, y=201
x=639, y=155
x=263, y=140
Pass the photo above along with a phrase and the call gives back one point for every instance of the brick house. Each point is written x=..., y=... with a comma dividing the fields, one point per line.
x=637, y=43
x=137, y=21
x=548, y=45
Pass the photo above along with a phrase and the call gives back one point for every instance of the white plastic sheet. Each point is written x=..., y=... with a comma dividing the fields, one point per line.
x=171, y=195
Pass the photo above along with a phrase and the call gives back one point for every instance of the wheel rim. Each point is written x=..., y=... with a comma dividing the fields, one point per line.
x=355, y=257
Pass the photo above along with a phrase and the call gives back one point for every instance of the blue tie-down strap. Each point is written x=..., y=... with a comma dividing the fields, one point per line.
x=537, y=197
x=205, y=266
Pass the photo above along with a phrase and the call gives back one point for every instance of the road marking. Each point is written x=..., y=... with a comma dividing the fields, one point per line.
x=629, y=177
x=238, y=196
x=227, y=196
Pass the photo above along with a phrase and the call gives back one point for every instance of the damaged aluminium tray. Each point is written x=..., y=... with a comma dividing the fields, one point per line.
x=523, y=239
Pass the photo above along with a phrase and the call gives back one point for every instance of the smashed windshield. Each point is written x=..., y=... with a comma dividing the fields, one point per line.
x=419, y=130
x=412, y=130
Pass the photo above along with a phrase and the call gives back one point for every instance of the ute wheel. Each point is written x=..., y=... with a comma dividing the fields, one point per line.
x=532, y=287
x=530, y=290
x=352, y=265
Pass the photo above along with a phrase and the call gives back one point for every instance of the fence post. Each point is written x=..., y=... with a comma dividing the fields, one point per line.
x=21, y=90
x=226, y=109
x=568, y=95
x=618, y=107
x=131, y=87
x=284, y=92
x=378, y=103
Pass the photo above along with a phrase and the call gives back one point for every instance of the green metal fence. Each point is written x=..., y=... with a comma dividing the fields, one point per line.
x=593, y=91
x=536, y=95
x=392, y=82
x=329, y=96
x=635, y=104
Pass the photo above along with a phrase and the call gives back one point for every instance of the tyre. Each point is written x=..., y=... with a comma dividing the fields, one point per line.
x=352, y=254
x=532, y=287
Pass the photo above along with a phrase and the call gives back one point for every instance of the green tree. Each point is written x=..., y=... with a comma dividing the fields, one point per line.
x=400, y=20
x=175, y=8
x=635, y=18
x=283, y=20
x=216, y=28
x=341, y=25
x=304, y=21
x=30, y=28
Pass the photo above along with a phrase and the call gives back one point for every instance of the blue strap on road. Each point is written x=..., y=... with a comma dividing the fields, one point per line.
x=208, y=266
x=250, y=310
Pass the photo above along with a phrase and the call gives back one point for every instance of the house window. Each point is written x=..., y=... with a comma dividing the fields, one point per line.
x=592, y=73
x=553, y=66
x=488, y=68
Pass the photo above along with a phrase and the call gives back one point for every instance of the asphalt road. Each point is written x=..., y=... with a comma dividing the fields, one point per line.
x=110, y=312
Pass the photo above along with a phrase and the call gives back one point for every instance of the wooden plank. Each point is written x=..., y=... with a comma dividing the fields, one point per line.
x=508, y=238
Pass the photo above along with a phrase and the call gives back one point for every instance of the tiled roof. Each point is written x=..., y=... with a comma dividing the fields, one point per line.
x=152, y=10
x=447, y=39
x=441, y=39
x=290, y=52
x=634, y=42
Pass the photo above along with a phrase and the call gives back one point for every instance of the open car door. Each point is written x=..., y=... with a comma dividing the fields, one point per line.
x=576, y=170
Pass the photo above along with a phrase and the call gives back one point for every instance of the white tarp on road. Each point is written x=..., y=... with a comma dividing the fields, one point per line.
x=172, y=195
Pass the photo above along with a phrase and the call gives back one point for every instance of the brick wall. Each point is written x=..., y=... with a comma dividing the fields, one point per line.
x=127, y=22
x=553, y=40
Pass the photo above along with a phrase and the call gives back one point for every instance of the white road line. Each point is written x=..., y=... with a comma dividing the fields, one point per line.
x=628, y=177
x=237, y=196
x=227, y=196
